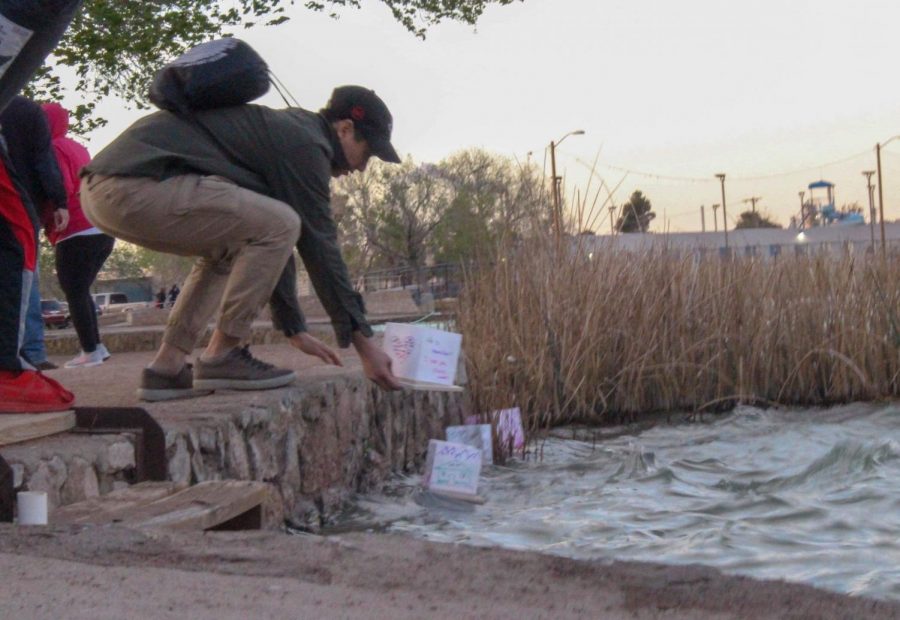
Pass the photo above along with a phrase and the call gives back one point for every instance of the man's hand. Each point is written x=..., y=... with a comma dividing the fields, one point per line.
x=315, y=347
x=60, y=219
x=376, y=363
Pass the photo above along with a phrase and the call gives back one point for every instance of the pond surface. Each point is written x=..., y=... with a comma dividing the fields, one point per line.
x=803, y=495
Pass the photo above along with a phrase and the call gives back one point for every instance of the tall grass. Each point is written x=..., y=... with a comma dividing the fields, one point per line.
x=572, y=336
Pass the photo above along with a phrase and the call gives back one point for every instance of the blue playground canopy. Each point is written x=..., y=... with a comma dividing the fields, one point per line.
x=818, y=184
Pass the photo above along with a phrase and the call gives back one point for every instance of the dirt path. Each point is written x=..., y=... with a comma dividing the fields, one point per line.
x=111, y=572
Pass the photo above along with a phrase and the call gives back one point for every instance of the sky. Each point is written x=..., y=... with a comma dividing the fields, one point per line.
x=775, y=94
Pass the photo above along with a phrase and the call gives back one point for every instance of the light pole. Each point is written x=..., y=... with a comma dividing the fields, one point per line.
x=702, y=218
x=715, y=219
x=721, y=177
x=868, y=174
x=881, y=193
x=612, y=219
x=752, y=200
x=557, y=207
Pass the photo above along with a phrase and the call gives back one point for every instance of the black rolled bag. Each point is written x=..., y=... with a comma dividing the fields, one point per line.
x=29, y=30
x=217, y=74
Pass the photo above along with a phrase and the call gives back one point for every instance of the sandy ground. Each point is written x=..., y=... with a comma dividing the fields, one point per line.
x=111, y=572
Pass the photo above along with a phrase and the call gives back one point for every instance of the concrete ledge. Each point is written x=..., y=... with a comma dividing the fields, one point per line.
x=397, y=302
x=124, y=338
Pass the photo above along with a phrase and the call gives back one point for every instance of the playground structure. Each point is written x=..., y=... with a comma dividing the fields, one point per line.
x=819, y=209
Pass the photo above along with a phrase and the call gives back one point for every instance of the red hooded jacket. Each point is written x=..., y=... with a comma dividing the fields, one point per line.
x=72, y=157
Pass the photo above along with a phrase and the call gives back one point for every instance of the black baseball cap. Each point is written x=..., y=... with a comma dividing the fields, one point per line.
x=369, y=115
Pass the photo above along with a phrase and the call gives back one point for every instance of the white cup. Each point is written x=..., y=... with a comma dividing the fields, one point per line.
x=32, y=507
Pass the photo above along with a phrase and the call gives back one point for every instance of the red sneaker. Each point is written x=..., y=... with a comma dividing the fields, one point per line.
x=28, y=391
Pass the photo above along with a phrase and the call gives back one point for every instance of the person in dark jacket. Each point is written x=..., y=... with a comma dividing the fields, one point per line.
x=27, y=134
x=238, y=187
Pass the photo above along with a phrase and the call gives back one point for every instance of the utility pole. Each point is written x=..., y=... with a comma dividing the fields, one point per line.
x=557, y=202
x=802, y=210
x=702, y=218
x=868, y=174
x=555, y=189
x=612, y=219
x=721, y=177
x=752, y=200
x=715, y=219
x=881, y=193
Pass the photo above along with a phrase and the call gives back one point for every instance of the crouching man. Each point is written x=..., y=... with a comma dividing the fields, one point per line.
x=238, y=188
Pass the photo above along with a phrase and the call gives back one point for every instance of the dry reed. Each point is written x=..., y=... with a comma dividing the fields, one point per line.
x=571, y=336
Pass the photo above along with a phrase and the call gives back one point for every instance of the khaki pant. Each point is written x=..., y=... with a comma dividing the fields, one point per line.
x=242, y=240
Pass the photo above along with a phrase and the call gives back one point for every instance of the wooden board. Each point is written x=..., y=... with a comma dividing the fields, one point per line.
x=200, y=507
x=463, y=497
x=425, y=386
x=18, y=427
x=108, y=508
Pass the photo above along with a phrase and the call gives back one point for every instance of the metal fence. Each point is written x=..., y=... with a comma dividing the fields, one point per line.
x=441, y=281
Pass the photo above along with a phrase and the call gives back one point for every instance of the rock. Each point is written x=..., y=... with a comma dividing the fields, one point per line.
x=237, y=465
x=49, y=477
x=180, y=462
x=120, y=456
x=18, y=471
x=81, y=483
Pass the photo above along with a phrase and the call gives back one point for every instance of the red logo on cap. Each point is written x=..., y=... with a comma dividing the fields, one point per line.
x=357, y=113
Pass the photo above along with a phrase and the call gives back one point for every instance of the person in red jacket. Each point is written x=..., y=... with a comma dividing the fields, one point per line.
x=34, y=28
x=23, y=389
x=81, y=249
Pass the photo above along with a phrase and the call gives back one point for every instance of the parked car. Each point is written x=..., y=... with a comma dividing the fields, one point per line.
x=117, y=302
x=55, y=314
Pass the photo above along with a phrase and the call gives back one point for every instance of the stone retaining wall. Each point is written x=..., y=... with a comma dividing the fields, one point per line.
x=318, y=443
x=72, y=467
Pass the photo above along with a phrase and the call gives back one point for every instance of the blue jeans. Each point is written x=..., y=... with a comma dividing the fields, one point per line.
x=33, y=347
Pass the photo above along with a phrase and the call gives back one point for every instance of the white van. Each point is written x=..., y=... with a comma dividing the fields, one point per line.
x=105, y=300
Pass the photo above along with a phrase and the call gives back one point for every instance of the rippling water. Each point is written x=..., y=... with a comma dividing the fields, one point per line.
x=809, y=496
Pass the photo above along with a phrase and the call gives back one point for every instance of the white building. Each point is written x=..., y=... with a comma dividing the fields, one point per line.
x=756, y=241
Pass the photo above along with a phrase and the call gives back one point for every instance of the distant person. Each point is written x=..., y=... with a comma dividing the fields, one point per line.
x=173, y=295
x=161, y=297
x=232, y=186
x=80, y=248
x=27, y=136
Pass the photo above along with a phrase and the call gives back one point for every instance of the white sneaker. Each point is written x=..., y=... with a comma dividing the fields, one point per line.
x=104, y=352
x=86, y=360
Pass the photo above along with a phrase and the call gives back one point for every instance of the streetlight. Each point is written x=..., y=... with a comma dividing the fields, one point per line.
x=868, y=174
x=881, y=193
x=557, y=208
x=721, y=177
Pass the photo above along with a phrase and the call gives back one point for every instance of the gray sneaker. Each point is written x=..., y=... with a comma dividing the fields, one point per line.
x=156, y=386
x=239, y=370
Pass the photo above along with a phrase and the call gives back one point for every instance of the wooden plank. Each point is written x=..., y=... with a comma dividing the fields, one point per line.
x=18, y=427
x=111, y=507
x=166, y=505
x=463, y=497
x=412, y=384
x=200, y=507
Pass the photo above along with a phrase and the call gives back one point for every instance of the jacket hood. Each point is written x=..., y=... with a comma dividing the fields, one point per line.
x=57, y=118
